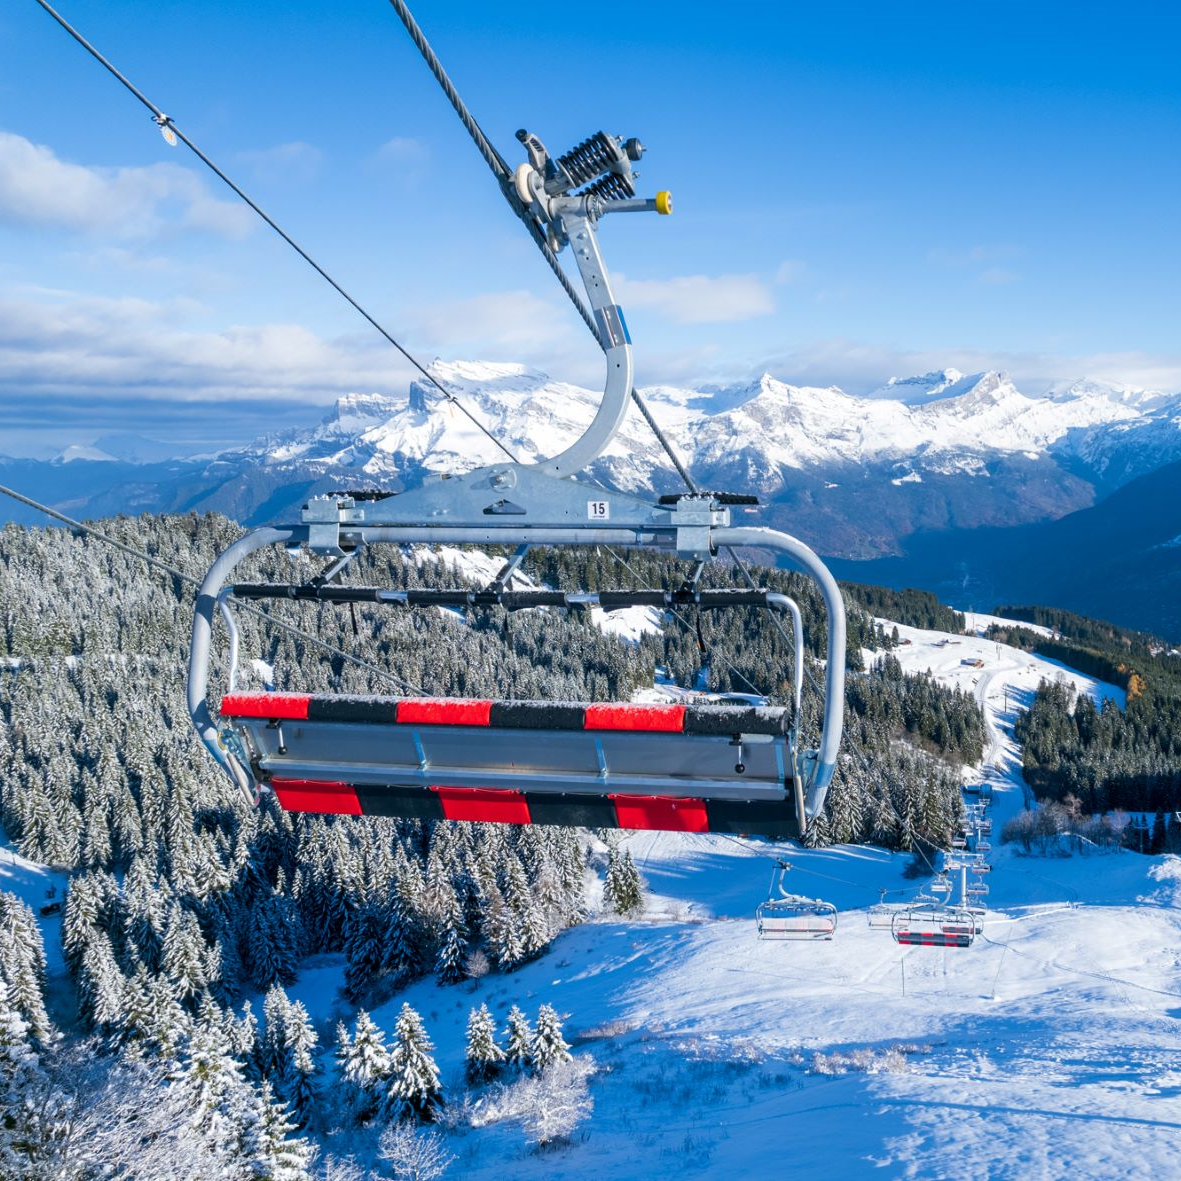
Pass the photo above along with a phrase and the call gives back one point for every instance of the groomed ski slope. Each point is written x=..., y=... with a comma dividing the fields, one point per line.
x=1051, y=1048
x=1048, y=1049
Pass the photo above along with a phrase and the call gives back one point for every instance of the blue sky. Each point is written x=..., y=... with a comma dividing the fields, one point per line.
x=861, y=191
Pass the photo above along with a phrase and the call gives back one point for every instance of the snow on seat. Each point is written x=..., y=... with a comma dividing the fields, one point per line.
x=687, y=768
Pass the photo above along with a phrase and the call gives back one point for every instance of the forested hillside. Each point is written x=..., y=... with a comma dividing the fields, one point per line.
x=1105, y=758
x=182, y=897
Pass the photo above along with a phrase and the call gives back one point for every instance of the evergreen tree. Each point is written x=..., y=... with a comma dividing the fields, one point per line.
x=364, y=1065
x=483, y=1058
x=299, y=1089
x=412, y=1088
x=519, y=1040
x=452, y=953
x=548, y=1045
x=267, y=1147
x=22, y=965
x=622, y=890
x=364, y=953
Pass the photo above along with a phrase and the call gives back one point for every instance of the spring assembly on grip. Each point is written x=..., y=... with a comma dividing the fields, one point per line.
x=612, y=187
x=591, y=157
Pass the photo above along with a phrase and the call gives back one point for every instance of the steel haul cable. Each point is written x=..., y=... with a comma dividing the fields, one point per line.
x=166, y=124
x=189, y=580
x=501, y=171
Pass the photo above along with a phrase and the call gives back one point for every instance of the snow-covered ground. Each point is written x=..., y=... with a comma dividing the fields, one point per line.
x=1048, y=1049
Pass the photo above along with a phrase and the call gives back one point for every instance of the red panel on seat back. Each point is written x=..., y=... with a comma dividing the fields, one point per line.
x=316, y=795
x=442, y=711
x=668, y=719
x=666, y=813
x=293, y=706
x=484, y=803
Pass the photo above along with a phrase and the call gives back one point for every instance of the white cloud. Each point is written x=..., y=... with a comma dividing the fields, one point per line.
x=402, y=148
x=298, y=161
x=516, y=325
x=36, y=187
x=997, y=276
x=78, y=347
x=859, y=366
x=403, y=157
x=699, y=299
x=790, y=269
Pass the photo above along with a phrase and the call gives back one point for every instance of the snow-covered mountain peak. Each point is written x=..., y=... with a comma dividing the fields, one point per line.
x=926, y=387
x=1090, y=388
x=77, y=451
x=356, y=412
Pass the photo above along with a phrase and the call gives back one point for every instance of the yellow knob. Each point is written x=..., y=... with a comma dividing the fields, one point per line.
x=664, y=202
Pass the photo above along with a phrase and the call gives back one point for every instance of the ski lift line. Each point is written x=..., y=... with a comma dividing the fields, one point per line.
x=189, y=580
x=495, y=161
x=686, y=625
x=503, y=174
x=799, y=869
x=166, y=123
x=1083, y=971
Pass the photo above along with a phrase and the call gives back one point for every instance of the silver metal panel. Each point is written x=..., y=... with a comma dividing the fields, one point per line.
x=637, y=763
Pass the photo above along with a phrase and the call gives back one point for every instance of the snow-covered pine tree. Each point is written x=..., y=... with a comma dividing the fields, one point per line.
x=22, y=965
x=101, y=986
x=299, y=1090
x=518, y=1040
x=529, y=923
x=273, y=941
x=402, y=954
x=242, y=1033
x=364, y=1064
x=183, y=959
x=219, y=1094
x=144, y=914
x=622, y=889
x=548, y=1046
x=412, y=1089
x=452, y=939
x=22, y=1084
x=364, y=952
x=483, y=1058
x=268, y=1149
x=502, y=927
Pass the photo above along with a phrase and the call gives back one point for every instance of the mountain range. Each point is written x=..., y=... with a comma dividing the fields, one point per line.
x=898, y=484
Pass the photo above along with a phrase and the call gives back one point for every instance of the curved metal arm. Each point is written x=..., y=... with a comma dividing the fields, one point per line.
x=786, y=603
x=614, y=338
x=201, y=644
x=834, y=672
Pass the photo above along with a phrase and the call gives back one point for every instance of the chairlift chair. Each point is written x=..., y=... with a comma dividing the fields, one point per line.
x=880, y=916
x=792, y=916
x=933, y=922
x=696, y=768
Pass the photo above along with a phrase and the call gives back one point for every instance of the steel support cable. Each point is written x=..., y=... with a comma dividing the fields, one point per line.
x=800, y=869
x=503, y=174
x=681, y=619
x=166, y=122
x=495, y=161
x=172, y=571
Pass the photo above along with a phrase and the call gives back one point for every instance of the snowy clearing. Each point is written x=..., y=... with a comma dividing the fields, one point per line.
x=1046, y=1050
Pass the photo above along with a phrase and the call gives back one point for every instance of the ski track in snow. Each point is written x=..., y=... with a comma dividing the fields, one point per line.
x=1047, y=1050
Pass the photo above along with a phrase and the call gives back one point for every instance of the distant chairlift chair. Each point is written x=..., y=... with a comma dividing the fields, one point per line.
x=932, y=921
x=792, y=916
